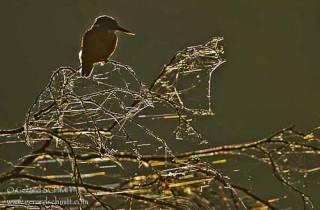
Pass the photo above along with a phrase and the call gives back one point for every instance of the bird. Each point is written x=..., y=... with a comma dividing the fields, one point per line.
x=99, y=42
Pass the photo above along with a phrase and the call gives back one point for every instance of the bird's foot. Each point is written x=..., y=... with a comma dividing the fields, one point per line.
x=102, y=63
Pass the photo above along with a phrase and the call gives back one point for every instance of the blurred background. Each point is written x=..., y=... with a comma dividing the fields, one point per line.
x=271, y=79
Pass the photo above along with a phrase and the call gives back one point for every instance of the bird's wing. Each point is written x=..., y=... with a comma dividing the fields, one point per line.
x=86, y=45
x=87, y=53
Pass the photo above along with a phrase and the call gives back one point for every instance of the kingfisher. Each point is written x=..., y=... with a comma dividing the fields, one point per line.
x=99, y=42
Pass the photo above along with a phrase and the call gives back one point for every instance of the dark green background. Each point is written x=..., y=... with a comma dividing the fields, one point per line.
x=271, y=79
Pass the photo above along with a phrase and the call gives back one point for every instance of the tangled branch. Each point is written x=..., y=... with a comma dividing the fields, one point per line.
x=94, y=142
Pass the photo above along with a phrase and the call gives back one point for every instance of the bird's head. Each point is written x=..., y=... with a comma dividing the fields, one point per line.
x=109, y=23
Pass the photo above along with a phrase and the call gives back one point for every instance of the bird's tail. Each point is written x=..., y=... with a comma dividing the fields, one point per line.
x=86, y=69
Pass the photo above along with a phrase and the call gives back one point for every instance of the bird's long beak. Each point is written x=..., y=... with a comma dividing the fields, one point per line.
x=123, y=30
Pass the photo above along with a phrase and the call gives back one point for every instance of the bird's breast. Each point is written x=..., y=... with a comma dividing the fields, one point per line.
x=106, y=44
x=98, y=46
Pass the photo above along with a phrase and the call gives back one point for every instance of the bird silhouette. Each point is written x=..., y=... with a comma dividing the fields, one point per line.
x=99, y=42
